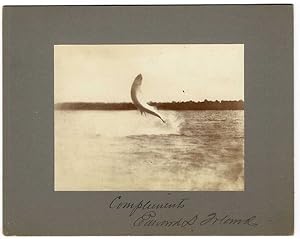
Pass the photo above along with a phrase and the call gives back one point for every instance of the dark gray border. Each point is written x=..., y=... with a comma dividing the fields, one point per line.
x=31, y=207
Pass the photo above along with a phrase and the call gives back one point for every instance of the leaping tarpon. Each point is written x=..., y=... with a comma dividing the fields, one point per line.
x=142, y=107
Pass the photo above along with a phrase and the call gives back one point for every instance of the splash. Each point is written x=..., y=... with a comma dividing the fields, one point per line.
x=132, y=123
x=147, y=125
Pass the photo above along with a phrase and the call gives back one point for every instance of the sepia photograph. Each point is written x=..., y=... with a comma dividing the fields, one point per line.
x=149, y=117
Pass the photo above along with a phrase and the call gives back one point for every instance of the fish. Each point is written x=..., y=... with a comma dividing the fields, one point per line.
x=141, y=106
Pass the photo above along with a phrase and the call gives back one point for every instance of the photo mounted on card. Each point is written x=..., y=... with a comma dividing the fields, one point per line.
x=178, y=120
x=148, y=117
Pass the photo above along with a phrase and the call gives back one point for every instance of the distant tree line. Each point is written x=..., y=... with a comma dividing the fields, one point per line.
x=187, y=105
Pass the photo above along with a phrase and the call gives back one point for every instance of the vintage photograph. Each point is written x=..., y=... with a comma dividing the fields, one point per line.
x=149, y=117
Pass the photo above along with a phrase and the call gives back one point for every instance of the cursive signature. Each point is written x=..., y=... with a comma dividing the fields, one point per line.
x=150, y=219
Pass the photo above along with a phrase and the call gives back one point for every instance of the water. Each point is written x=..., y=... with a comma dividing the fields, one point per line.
x=123, y=150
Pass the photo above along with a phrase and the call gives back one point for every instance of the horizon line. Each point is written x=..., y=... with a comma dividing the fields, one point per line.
x=118, y=102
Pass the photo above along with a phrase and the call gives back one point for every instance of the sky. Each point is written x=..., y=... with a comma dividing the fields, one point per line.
x=171, y=72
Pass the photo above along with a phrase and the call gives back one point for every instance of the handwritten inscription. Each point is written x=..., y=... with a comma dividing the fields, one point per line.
x=149, y=214
x=118, y=203
x=149, y=219
x=214, y=219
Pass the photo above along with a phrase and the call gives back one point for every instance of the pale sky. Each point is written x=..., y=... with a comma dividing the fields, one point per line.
x=104, y=73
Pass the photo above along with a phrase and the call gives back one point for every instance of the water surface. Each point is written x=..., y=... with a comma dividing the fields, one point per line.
x=122, y=150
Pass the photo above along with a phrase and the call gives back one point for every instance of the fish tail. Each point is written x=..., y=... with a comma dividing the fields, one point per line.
x=163, y=120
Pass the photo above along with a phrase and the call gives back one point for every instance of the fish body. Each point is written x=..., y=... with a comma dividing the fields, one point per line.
x=142, y=107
